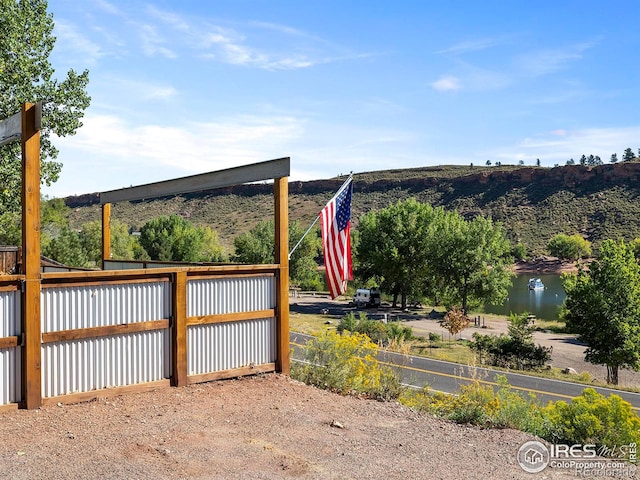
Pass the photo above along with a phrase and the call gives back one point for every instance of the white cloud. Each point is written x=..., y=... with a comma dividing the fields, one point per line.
x=140, y=90
x=74, y=44
x=191, y=147
x=108, y=7
x=543, y=62
x=445, y=84
x=244, y=45
x=152, y=42
x=169, y=18
x=469, y=46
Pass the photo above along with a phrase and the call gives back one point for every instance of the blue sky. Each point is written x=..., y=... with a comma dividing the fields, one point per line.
x=192, y=86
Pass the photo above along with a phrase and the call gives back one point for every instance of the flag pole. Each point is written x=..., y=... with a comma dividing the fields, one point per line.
x=317, y=218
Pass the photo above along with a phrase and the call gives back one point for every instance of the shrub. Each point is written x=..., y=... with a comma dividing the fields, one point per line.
x=382, y=334
x=434, y=337
x=480, y=405
x=347, y=364
x=515, y=350
x=609, y=423
x=569, y=247
x=592, y=418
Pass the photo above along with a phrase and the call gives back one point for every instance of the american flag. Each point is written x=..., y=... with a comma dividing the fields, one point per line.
x=335, y=220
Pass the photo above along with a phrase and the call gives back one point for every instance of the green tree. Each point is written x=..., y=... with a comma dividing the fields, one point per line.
x=257, y=247
x=472, y=260
x=420, y=251
x=124, y=246
x=614, y=158
x=603, y=308
x=392, y=244
x=519, y=251
x=634, y=245
x=172, y=238
x=10, y=228
x=569, y=247
x=54, y=216
x=66, y=247
x=26, y=41
x=628, y=155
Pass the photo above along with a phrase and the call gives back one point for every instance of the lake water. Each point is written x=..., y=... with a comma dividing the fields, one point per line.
x=542, y=303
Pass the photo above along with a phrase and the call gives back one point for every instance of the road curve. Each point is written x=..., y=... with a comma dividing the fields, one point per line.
x=448, y=377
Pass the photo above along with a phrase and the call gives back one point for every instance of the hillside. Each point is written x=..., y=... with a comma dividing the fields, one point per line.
x=533, y=203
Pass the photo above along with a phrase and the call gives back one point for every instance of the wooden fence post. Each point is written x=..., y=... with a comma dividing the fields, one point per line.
x=106, y=233
x=179, y=330
x=31, y=366
x=282, y=280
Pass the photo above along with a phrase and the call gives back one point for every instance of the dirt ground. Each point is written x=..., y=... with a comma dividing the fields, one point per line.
x=262, y=427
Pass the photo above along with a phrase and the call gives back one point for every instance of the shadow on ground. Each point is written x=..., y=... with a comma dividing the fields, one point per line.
x=325, y=306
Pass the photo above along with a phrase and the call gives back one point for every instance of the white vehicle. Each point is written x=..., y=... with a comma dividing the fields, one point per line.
x=367, y=297
x=536, y=284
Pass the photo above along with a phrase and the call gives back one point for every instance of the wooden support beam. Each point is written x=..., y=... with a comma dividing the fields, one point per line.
x=9, y=342
x=205, y=181
x=106, y=233
x=281, y=207
x=106, y=392
x=233, y=372
x=179, y=330
x=104, y=331
x=31, y=364
x=230, y=317
x=11, y=129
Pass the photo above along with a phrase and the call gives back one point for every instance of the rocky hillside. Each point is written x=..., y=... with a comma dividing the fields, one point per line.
x=533, y=203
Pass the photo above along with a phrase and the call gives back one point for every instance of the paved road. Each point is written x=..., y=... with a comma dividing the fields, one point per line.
x=447, y=377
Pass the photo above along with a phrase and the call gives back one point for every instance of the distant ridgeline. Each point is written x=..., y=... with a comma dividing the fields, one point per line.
x=533, y=203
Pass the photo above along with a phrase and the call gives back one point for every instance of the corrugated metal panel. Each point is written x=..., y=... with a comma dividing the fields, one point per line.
x=10, y=358
x=223, y=346
x=104, y=362
x=98, y=363
x=115, y=265
x=230, y=295
x=71, y=307
x=51, y=269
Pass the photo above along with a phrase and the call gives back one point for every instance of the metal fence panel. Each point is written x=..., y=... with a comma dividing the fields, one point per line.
x=230, y=295
x=111, y=361
x=80, y=306
x=10, y=358
x=105, y=362
x=225, y=346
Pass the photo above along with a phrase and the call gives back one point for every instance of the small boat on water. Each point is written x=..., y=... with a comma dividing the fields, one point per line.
x=536, y=284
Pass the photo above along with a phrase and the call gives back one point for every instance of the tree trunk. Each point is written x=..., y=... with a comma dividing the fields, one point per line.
x=612, y=374
x=404, y=301
x=464, y=297
x=395, y=299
